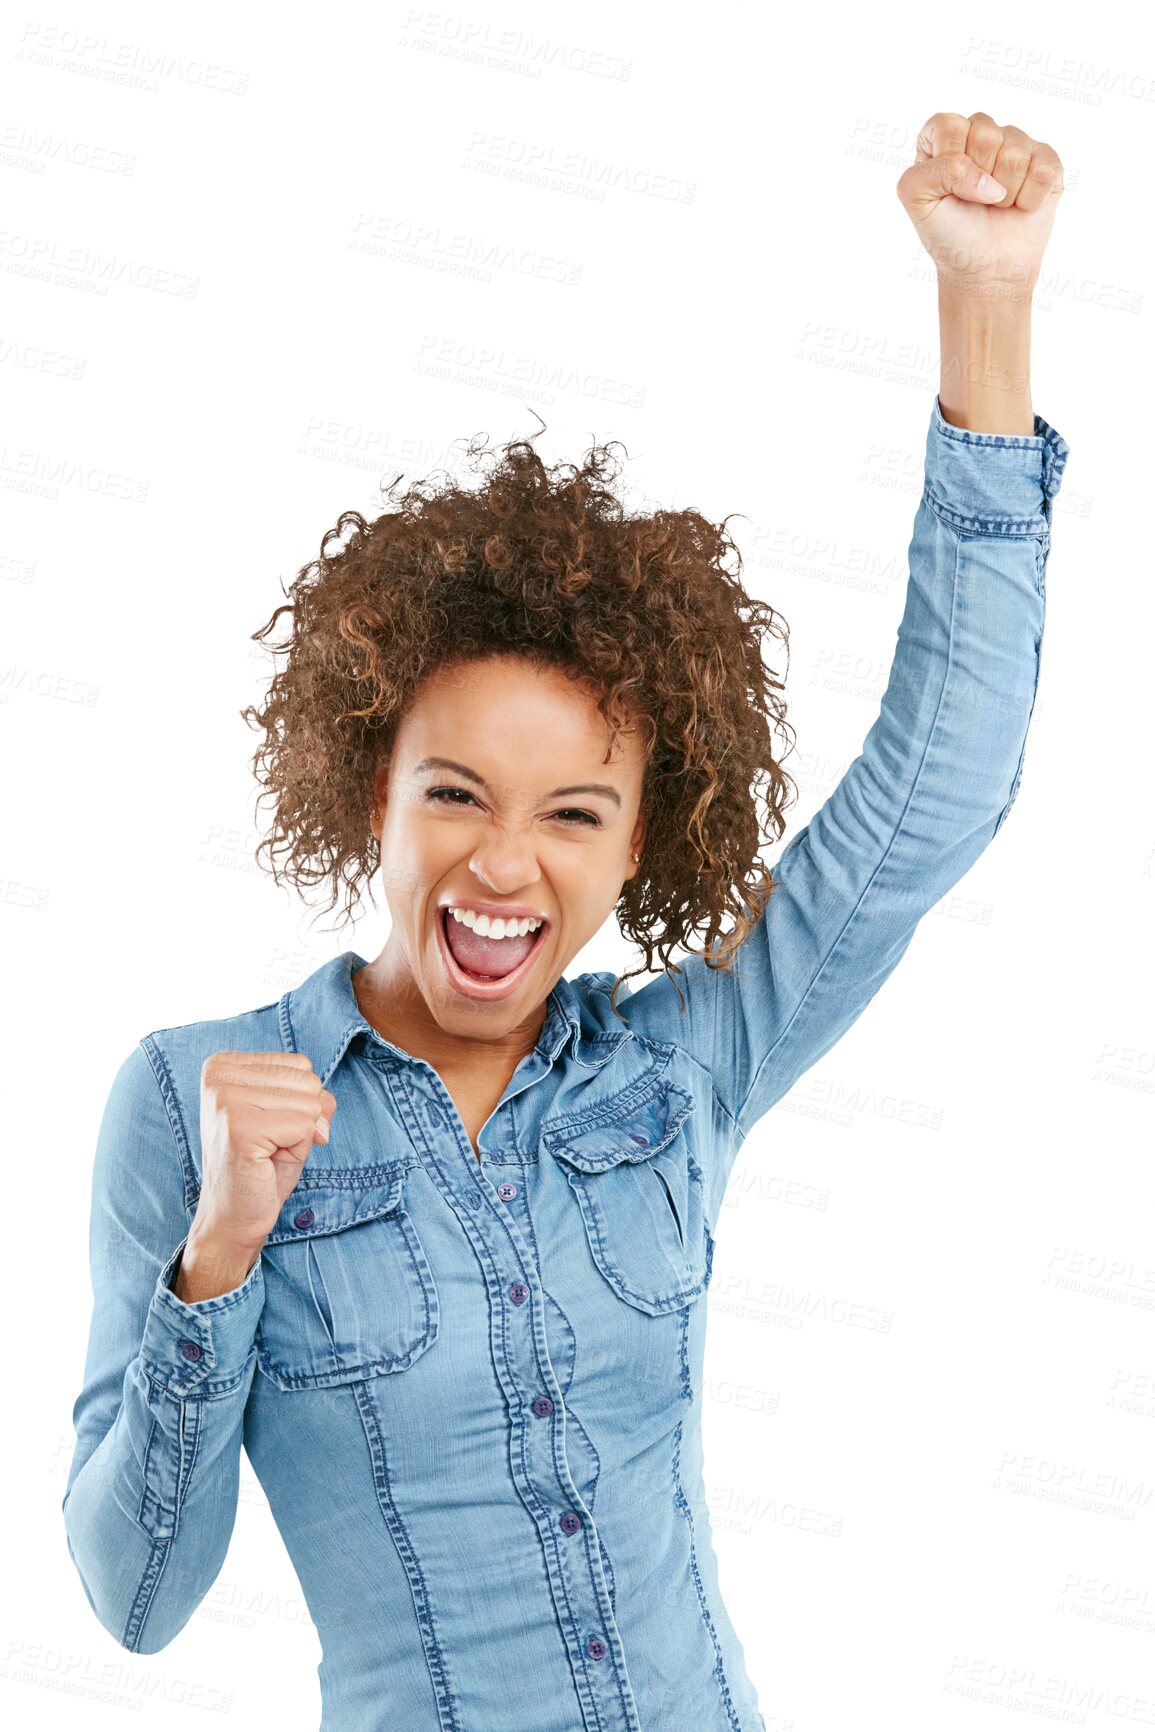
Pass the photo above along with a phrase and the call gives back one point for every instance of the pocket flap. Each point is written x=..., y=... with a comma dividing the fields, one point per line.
x=625, y=1131
x=349, y=1291
x=329, y=1199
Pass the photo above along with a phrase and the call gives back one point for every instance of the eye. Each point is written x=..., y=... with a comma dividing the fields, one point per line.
x=569, y=814
x=579, y=817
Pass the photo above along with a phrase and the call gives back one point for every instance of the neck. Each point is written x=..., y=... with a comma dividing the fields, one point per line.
x=391, y=1002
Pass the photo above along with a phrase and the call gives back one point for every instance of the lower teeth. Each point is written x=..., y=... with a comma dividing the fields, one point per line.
x=474, y=975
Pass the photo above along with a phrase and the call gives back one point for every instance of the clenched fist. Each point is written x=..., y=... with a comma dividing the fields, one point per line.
x=261, y=1113
x=983, y=199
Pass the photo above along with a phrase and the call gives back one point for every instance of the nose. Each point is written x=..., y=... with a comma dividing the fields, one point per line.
x=505, y=861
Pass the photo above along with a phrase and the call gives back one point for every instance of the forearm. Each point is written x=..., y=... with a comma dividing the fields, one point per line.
x=149, y=1508
x=985, y=361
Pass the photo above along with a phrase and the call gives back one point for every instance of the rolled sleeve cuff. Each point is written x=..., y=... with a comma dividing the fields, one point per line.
x=993, y=483
x=205, y=1348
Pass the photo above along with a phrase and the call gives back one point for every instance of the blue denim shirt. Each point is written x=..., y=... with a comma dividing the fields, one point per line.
x=472, y=1392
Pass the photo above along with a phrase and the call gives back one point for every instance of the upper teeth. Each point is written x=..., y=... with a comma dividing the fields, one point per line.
x=487, y=928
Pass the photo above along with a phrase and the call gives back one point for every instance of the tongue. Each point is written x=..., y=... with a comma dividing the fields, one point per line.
x=492, y=957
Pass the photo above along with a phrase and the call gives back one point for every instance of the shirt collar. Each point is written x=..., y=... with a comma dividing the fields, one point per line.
x=321, y=1017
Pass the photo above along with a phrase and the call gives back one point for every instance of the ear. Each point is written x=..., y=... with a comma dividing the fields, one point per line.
x=637, y=841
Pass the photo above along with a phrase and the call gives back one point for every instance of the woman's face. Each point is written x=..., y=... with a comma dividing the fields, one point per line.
x=521, y=813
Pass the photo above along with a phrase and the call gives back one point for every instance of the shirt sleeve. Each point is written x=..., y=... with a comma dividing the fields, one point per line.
x=152, y=1491
x=937, y=775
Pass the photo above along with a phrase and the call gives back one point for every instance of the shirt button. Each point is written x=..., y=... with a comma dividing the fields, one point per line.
x=506, y=1191
x=304, y=1218
x=643, y=1142
x=192, y=1350
x=570, y=1523
x=543, y=1407
x=596, y=1648
x=519, y=1292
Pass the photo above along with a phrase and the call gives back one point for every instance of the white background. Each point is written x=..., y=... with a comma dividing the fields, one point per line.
x=396, y=228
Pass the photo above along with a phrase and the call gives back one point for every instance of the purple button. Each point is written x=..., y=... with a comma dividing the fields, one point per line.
x=570, y=1523
x=304, y=1218
x=644, y=1142
x=596, y=1648
x=543, y=1407
x=519, y=1292
x=192, y=1350
x=507, y=1191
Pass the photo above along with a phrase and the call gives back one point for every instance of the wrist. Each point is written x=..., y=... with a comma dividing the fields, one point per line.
x=210, y=1266
x=990, y=305
x=985, y=360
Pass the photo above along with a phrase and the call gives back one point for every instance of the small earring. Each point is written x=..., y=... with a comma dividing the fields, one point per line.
x=375, y=812
x=636, y=858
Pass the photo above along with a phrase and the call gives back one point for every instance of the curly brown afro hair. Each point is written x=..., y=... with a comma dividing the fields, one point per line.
x=540, y=561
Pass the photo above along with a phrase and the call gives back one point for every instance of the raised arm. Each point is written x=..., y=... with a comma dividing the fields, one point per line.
x=940, y=767
x=152, y=1492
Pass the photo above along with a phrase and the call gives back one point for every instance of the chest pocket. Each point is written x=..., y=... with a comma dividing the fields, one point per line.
x=641, y=1196
x=349, y=1292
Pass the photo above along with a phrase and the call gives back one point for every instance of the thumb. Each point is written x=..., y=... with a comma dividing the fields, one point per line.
x=925, y=183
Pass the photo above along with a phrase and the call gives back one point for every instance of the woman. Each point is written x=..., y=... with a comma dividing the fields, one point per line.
x=432, y=1234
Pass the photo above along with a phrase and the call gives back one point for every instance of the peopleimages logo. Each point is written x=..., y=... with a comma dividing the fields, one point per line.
x=118, y=62
x=473, y=38
x=117, y=1682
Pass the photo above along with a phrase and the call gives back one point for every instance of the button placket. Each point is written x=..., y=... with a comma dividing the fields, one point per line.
x=577, y=1577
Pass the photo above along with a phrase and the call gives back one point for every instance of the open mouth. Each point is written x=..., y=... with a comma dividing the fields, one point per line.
x=487, y=985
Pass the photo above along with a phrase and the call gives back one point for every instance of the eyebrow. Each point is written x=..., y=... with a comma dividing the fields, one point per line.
x=472, y=776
